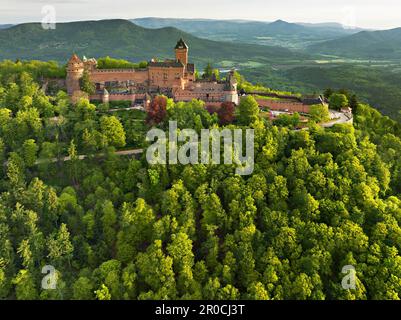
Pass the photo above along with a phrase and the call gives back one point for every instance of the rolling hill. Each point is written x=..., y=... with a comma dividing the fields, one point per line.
x=384, y=44
x=281, y=33
x=123, y=39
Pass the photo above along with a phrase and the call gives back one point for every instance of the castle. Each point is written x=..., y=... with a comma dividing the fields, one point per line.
x=174, y=78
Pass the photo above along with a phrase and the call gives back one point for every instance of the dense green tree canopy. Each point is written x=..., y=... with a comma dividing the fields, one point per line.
x=338, y=101
x=116, y=227
x=248, y=110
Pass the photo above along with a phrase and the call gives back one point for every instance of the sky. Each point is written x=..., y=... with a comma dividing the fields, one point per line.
x=372, y=14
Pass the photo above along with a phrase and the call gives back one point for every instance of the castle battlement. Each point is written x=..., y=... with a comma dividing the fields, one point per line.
x=117, y=70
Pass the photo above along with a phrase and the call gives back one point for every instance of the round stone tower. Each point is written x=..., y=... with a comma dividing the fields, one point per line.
x=232, y=95
x=75, y=70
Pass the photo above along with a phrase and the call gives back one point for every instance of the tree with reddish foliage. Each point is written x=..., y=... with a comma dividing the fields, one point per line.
x=157, y=110
x=212, y=109
x=226, y=112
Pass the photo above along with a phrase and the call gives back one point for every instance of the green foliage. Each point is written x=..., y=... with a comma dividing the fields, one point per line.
x=59, y=245
x=25, y=286
x=319, y=113
x=286, y=120
x=210, y=73
x=29, y=151
x=113, y=131
x=248, y=110
x=156, y=270
x=83, y=289
x=338, y=101
x=190, y=115
x=86, y=85
x=116, y=227
x=103, y=293
x=38, y=69
x=110, y=63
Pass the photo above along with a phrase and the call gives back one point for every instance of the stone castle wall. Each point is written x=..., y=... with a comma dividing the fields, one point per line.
x=277, y=105
x=153, y=76
x=115, y=97
x=217, y=96
x=166, y=77
x=108, y=75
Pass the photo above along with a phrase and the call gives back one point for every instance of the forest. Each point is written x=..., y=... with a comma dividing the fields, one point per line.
x=115, y=227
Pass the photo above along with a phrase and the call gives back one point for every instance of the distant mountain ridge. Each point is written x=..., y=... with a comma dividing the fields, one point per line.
x=278, y=25
x=281, y=33
x=384, y=44
x=120, y=39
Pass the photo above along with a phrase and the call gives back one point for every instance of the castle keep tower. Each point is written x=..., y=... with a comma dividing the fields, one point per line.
x=181, y=52
x=75, y=70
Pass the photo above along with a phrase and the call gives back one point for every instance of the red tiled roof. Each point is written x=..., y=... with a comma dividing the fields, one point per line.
x=75, y=59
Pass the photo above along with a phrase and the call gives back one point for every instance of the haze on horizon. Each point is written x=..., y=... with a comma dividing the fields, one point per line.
x=355, y=13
